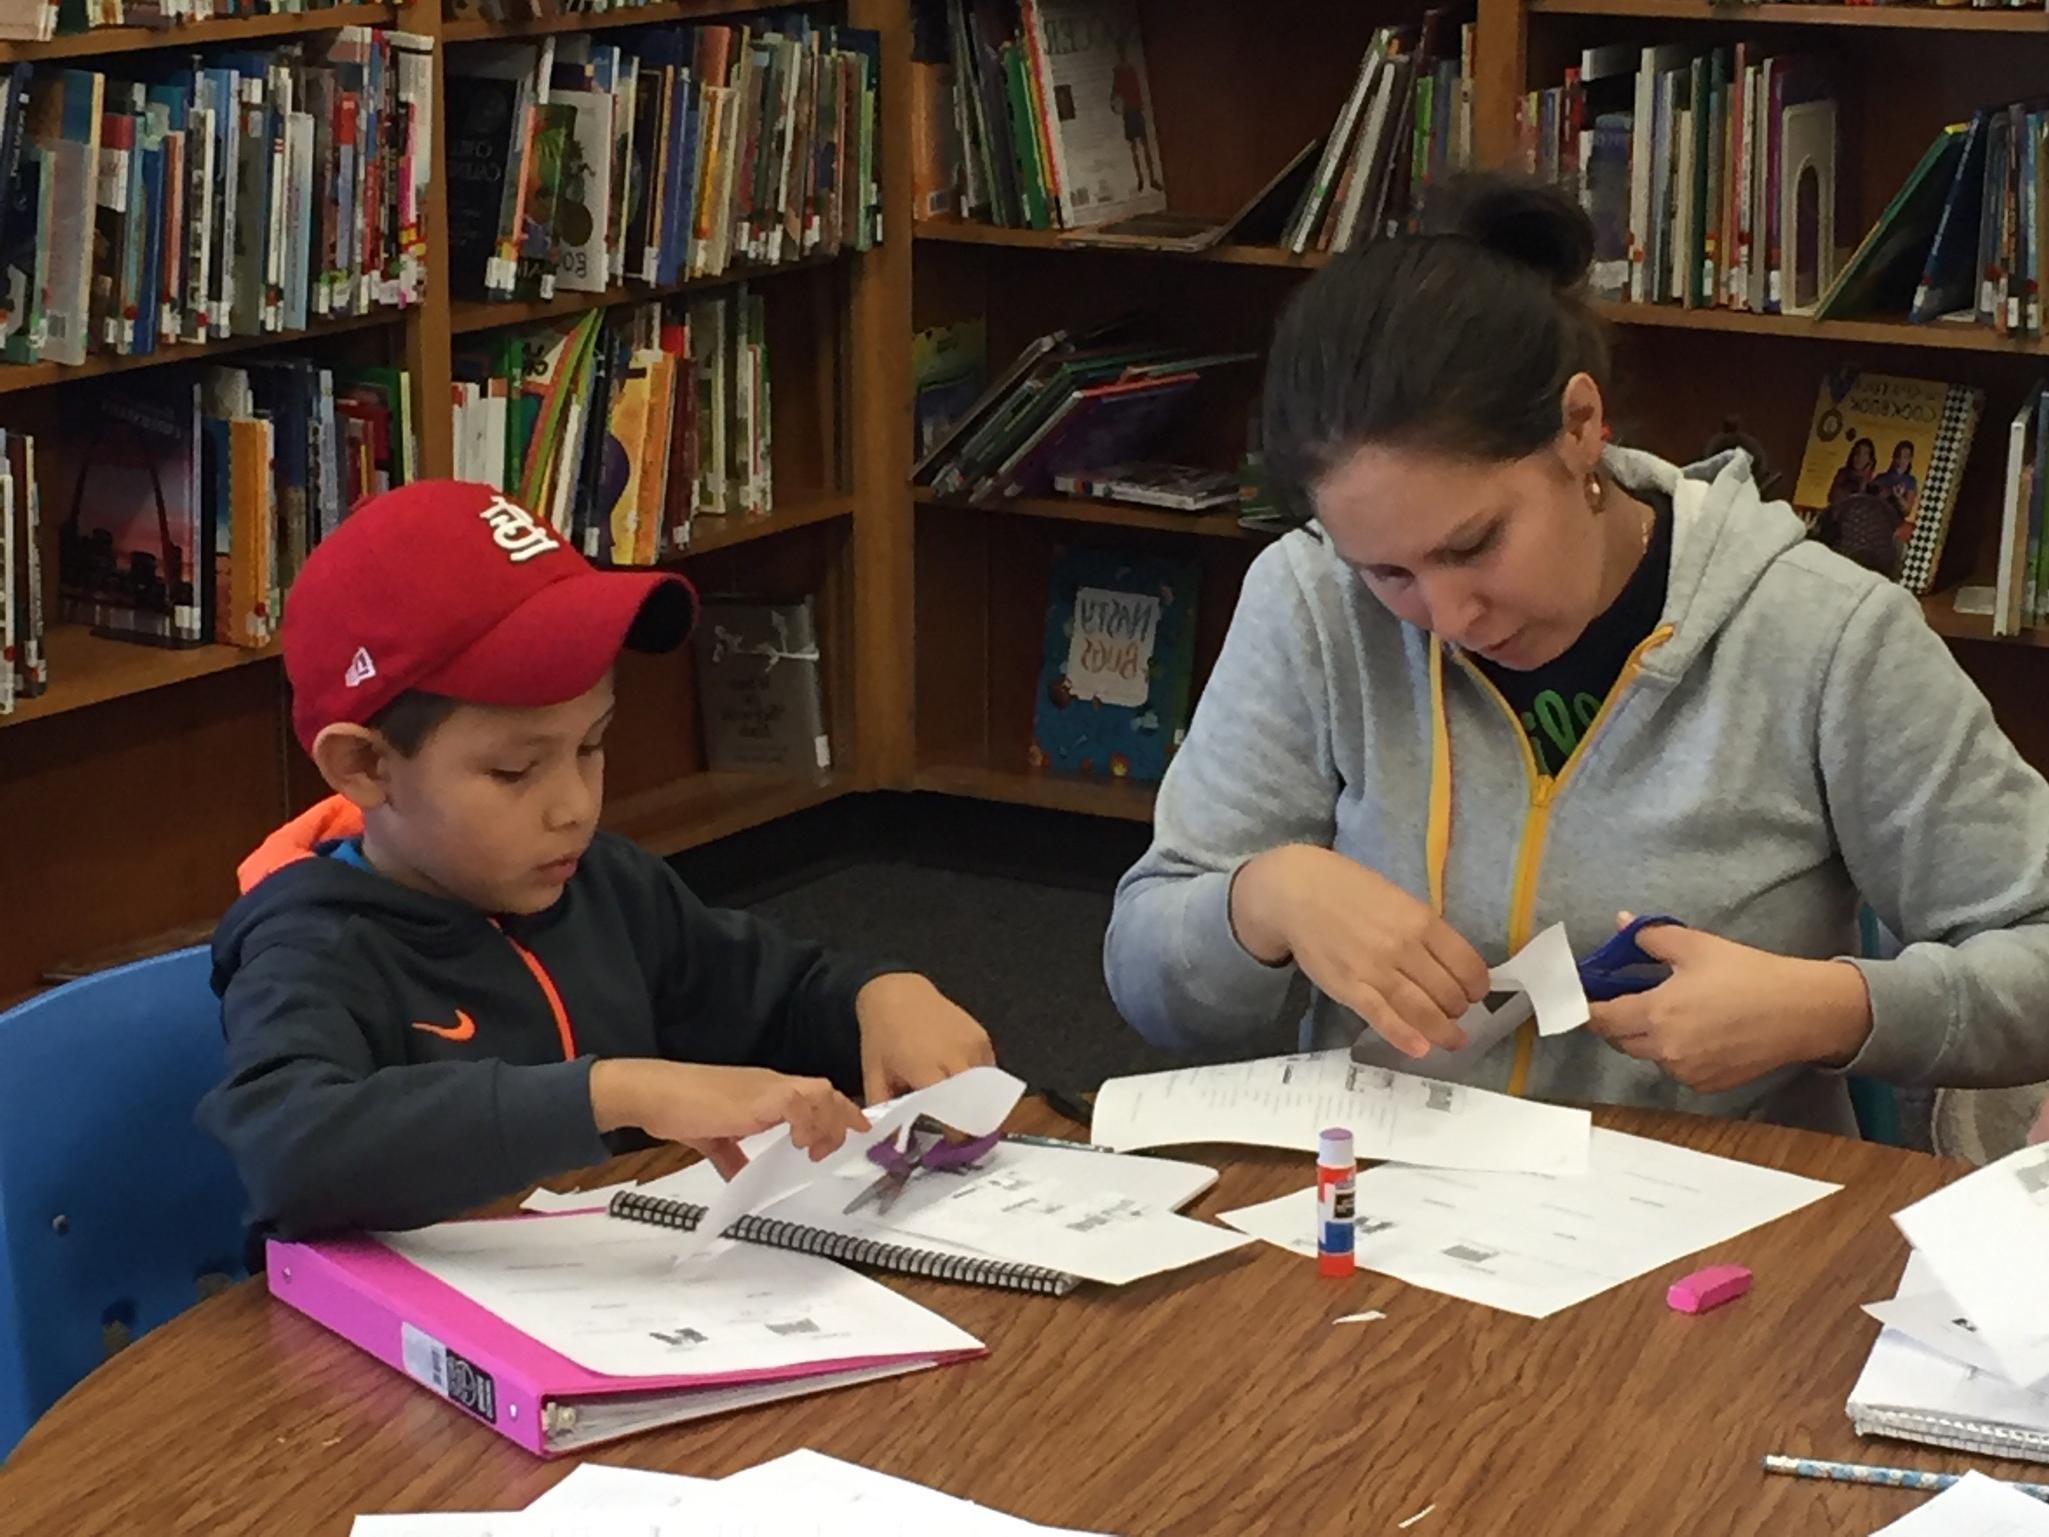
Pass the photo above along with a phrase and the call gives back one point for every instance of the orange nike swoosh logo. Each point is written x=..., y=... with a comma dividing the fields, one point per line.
x=463, y=1028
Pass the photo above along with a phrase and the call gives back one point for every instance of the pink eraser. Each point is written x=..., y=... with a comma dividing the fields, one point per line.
x=1708, y=1288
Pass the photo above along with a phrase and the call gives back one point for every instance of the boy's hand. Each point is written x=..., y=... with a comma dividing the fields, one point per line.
x=712, y=1108
x=913, y=1035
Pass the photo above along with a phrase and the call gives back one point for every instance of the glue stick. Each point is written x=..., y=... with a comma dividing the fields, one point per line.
x=1335, y=1171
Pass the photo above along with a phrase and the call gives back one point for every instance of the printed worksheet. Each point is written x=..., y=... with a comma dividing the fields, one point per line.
x=1542, y=979
x=599, y=1488
x=1973, y=1506
x=1286, y=1101
x=1986, y=1239
x=611, y=1296
x=1536, y=1244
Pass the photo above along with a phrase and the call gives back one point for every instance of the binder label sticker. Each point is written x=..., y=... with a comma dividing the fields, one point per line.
x=429, y=1361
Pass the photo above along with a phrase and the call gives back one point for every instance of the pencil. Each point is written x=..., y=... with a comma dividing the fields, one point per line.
x=1898, y=1478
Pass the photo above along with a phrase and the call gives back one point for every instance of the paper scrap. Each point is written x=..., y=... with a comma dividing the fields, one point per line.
x=1535, y=1244
x=1540, y=978
x=1370, y=1316
x=1986, y=1239
x=1973, y=1506
x=1286, y=1101
x=1403, y=1526
x=544, y=1200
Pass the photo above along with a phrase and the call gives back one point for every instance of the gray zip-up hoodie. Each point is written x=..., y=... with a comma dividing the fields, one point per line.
x=1791, y=738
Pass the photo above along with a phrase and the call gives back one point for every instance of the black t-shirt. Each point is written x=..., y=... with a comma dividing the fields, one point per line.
x=1558, y=701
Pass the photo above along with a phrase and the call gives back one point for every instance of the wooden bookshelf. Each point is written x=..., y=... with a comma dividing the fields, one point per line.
x=704, y=807
x=1937, y=336
x=1051, y=792
x=101, y=41
x=1076, y=509
x=1823, y=13
x=38, y=376
x=1943, y=618
x=479, y=29
x=467, y=315
x=963, y=232
x=709, y=534
x=93, y=670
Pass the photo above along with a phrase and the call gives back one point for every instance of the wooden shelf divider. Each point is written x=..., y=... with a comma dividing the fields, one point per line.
x=102, y=41
x=1077, y=509
x=87, y=669
x=1121, y=799
x=480, y=29
x=1821, y=13
x=489, y=314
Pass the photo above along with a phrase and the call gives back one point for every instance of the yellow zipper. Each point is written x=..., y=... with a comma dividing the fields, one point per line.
x=1544, y=791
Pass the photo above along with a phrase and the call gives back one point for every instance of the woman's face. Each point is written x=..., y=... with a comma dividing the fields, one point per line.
x=1903, y=458
x=1501, y=559
x=1863, y=456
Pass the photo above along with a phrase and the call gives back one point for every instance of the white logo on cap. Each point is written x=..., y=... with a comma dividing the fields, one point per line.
x=361, y=669
x=516, y=531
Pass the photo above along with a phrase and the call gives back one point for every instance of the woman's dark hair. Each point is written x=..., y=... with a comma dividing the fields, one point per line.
x=410, y=719
x=1457, y=341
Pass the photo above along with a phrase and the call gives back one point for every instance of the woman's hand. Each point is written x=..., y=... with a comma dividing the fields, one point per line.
x=1729, y=1014
x=1363, y=940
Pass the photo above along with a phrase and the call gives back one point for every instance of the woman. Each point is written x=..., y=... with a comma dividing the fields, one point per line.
x=1378, y=787
x=1855, y=477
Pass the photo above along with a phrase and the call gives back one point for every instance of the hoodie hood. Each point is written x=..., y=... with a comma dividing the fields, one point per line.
x=1724, y=539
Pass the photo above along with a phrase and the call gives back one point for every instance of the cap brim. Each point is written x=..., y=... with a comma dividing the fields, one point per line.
x=557, y=645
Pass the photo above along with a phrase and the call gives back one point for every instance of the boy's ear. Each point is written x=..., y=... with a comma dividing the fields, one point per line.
x=355, y=761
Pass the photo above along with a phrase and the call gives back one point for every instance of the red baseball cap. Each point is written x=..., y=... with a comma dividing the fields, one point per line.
x=453, y=588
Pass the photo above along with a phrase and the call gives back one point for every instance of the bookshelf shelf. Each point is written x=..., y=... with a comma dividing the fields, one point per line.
x=968, y=232
x=704, y=807
x=1120, y=799
x=231, y=29
x=466, y=315
x=477, y=29
x=1944, y=620
x=723, y=533
x=36, y=376
x=1074, y=509
x=1927, y=18
x=87, y=669
x=1940, y=336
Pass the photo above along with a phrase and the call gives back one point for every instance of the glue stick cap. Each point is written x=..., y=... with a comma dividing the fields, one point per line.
x=1334, y=1146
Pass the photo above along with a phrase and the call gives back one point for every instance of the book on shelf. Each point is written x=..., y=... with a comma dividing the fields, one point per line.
x=1118, y=665
x=24, y=662
x=190, y=503
x=2021, y=580
x=38, y=21
x=1260, y=220
x=1888, y=452
x=949, y=370
x=584, y=162
x=760, y=686
x=1064, y=407
x=1405, y=126
x=233, y=192
x=1176, y=487
x=621, y=427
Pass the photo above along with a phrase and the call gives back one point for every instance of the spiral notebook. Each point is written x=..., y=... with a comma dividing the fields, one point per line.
x=1909, y=1391
x=813, y=1222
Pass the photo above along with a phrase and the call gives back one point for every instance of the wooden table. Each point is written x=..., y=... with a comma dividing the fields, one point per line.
x=1217, y=1400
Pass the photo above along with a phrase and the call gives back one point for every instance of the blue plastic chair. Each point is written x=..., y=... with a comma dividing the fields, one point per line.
x=116, y=1211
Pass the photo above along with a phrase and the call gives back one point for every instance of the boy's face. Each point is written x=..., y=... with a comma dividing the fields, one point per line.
x=497, y=806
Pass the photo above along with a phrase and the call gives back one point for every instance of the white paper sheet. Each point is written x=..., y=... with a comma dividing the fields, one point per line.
x=1286, y=1101
x=512, y=1524
x=545, y=1200
x=596, y=1487
x=975, y=1102
x=1930, y=1318
x=875, y=1502
x=1535, y=1244
x=1542, y=977
x=1973, y=1506
x=1986, y=1238
x=609, y=1295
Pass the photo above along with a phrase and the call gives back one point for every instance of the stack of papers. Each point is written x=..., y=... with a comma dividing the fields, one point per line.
x=1985, y=1243
x=1533, y=1243
x=804, y=1494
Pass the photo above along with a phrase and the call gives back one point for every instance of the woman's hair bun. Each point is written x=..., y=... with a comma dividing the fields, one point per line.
x=1534, y=223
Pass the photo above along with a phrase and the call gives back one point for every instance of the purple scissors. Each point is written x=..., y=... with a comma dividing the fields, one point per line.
x=937, y=1152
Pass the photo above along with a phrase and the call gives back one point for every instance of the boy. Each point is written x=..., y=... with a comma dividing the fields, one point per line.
x=444, y=984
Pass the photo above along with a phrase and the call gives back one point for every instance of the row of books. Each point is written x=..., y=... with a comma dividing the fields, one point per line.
x=621, y=427
x=24, y=661
x=37, y=21
x=1961, y=241
x=1071, y=402
x=1047, y=111
x=189, y=507
x=1406, y=125
x=2020, y=584
x=672, y=153
x=1710, y=175
x=224, y=194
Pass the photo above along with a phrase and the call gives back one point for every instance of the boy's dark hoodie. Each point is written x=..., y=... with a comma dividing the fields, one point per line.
x=396, y=1059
